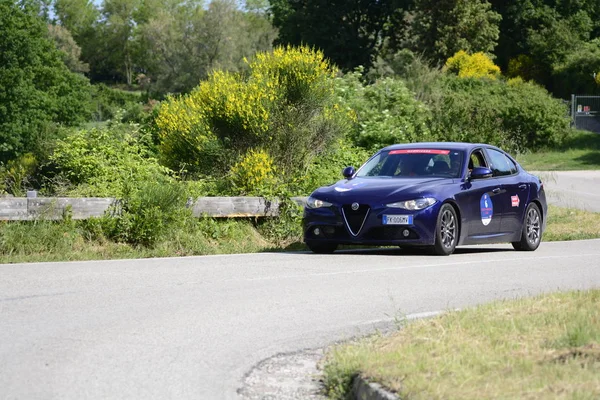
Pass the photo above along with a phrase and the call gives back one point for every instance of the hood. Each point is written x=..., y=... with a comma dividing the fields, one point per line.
x=378, y=189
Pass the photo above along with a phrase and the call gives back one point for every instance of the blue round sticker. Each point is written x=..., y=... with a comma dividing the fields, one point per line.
x=487, y=209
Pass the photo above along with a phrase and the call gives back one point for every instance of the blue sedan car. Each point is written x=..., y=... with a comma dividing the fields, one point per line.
x=435, y=195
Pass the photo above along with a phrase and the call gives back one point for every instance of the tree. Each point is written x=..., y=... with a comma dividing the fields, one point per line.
x=579, y=73
x=118, y=31
x=181, y=45
x=36, y=88
x=80, y=18
x=538, y=35
x=71, y=52
x=443, y=27
x=350, y=32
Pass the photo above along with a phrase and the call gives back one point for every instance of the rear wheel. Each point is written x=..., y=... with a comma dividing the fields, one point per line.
x=446, y=231
x=532, y=230
x=322, y=248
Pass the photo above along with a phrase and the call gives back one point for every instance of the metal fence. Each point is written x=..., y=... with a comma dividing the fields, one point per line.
x=585, y=111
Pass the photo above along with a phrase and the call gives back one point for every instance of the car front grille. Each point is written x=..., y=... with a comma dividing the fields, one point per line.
x=355, y=219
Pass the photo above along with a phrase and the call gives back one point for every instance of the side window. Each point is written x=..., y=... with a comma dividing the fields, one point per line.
x=513, y=166
x=500, y=164
x=476, y=160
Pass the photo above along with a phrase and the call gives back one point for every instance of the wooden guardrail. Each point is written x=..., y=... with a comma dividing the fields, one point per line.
x=52, y=208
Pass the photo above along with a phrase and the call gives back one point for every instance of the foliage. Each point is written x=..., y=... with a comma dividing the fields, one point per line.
x=540, y=34
x=350, y=33
x=71, y=52
x=579, y=71
x=148, y=211
x=104, y=162
x=110, y=103
x=516, y=115
x=385, y=112
x=37, y=89
x=254, y=174
x=17, y=175
x=442, y=28
x=477, y=65
x=284, y=106
x=327, y=169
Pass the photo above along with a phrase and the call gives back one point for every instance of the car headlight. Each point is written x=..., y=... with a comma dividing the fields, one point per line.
x=316, y=203
x=417, y=204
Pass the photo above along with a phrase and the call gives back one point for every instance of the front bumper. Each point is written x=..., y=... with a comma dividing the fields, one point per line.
x=329, y=225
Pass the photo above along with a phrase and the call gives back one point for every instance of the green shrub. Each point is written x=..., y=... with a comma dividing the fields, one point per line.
x=148, y=211
x=18, y=175
x=385, y=112
x=101, y=162
x=109, y=103
x=516, y=115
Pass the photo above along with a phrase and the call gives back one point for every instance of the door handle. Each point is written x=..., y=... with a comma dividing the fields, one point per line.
x=496, y=191
x=523, y=186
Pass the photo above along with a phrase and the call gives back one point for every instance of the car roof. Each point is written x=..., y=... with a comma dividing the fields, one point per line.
x=439, y=145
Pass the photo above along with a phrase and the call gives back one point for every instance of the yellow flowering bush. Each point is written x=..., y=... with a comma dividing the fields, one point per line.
x=254, y=174
x=284, y=105
x=477, y=65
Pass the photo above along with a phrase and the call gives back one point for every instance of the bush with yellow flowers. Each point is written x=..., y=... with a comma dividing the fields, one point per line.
x=285, y=106
x=477, y=65
x=254, y=174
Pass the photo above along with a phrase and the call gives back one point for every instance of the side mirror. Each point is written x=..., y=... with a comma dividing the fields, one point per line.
x=348, y=172
x=480, y=173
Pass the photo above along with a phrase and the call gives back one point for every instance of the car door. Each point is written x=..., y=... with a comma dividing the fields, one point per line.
x=479, y=203
x=514, y=191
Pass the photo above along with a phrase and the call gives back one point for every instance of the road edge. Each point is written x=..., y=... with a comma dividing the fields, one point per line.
x=365, y=390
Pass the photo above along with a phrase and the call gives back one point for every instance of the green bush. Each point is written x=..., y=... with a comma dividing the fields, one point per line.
x=148, y=211
x=516, y=115
x=101, y=162
x=385, y=112
x=18, y=175
x=108, y=104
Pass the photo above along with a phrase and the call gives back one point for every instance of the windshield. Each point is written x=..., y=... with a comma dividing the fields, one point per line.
x=414, y=163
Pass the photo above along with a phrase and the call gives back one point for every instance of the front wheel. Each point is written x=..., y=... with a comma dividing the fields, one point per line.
x=322, y=248
x=446, y=231
x=532, y=230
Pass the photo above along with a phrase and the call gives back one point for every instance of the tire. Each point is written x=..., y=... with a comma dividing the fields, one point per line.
x=322, y=248
x=446, y=231
x=531, y=236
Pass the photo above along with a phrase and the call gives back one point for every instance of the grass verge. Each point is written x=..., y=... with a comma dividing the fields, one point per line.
x=41, y=241
x=547, y=347
x=571, y=224
x=581, y=151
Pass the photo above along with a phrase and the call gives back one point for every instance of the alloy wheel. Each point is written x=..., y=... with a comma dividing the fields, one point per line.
x=448, y=229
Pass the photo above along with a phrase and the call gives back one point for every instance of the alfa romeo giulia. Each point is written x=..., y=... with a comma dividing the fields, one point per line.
x=434, y=195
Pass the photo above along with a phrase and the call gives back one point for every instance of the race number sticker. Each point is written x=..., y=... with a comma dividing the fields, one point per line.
x=487, y=209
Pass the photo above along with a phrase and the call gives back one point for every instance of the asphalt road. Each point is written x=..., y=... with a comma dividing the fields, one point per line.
x=191, y=328
x=575, y=189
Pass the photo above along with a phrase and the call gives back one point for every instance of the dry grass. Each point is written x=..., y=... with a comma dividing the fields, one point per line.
x=546, y=347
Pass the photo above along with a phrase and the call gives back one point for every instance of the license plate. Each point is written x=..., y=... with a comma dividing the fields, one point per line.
x=397, y=219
